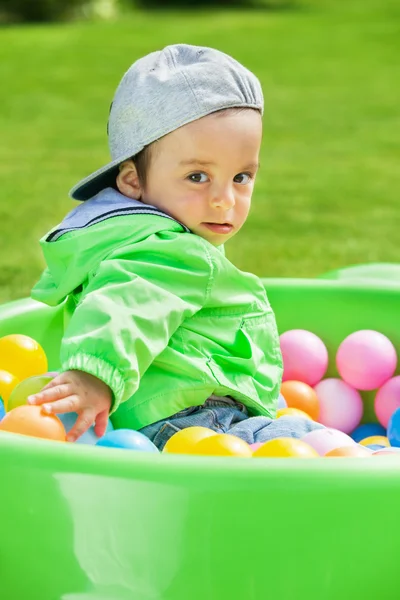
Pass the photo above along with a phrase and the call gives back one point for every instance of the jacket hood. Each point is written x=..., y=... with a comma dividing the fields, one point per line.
x=88, y=234
x=75, y=247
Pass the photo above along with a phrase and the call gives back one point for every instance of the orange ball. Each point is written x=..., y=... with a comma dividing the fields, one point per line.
x=349, y=451
x=285, y=448
x=22, y=356
x=379, y=440
x=183, y=441
x=222, y=444
x=8, y=382
x=302, y=396
x=292, y=412
x=33, y=421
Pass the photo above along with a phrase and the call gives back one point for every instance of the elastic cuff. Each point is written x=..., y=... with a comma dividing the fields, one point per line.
x=100, y=369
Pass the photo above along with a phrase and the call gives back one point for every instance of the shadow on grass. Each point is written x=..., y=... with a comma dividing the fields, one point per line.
x=217, y=5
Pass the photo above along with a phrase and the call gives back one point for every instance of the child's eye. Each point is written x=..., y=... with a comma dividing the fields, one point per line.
x=243, y=178
x=198, y=177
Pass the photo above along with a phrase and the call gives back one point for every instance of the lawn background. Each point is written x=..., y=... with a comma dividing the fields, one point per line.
x=328, y=191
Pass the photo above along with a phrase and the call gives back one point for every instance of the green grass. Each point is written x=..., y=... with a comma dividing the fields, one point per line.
x=327, y=193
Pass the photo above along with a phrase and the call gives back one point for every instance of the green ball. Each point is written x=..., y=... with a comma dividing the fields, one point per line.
x=27, y=387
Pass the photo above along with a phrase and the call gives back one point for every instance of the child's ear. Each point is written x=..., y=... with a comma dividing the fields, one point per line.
x=128, y=181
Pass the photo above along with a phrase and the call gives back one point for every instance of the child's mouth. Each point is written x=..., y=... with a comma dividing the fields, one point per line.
x=219, y=227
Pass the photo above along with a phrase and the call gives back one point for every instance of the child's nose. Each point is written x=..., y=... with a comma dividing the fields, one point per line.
x=223, y=198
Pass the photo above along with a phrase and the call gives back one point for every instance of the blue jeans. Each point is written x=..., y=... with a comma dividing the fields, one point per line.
x=225, y=415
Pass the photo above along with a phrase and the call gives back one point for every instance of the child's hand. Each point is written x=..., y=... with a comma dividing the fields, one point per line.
x=80, y=392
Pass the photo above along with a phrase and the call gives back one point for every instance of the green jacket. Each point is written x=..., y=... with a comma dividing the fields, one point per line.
x=158, y=313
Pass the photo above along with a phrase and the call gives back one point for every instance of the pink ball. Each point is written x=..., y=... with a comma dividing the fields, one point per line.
x=387, y=400
x=366, y=359
x=340, y=405
x=256, y=445
x=325, y=440
x=390, y=450
x=305, y=357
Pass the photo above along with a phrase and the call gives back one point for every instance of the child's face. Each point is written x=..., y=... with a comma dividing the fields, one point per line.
x=203, y=173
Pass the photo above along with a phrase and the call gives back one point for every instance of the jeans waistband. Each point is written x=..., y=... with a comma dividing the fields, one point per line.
x=215, y=400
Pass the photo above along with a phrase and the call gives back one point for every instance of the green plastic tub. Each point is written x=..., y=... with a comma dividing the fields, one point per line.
x=87, y=523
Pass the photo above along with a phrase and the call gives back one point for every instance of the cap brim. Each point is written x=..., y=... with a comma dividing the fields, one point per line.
x=97, y=181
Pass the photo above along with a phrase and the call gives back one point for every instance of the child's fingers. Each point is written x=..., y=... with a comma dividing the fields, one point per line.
x=56, y=392
x=66, y=405
x=101, y=423
x=82, y=424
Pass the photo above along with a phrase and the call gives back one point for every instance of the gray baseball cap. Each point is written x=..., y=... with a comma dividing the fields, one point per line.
x=166, y=90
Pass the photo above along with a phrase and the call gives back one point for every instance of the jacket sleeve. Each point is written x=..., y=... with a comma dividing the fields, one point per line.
x=132, y=305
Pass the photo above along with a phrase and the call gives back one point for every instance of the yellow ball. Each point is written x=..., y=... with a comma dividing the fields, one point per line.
x=8, y=382
x=292, y=412
x=22, y=356
x=285, y=448
x=183, y=441
x=380, y=440
x=223, y=444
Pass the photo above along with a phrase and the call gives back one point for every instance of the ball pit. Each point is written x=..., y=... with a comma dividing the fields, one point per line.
x=105, y=516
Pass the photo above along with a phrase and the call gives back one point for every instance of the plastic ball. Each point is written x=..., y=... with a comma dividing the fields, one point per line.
x=325, y=440
x=285, y=448
x=22, y=356
x=355, y=451
x=385, y=451
x=32, y=421
x=127, y=439
x=8, y=381
x=364, y=431
x=340, y=406
x=301, y=396
x=31, y=385
x=373, y=447
x=2, y=409
x=89, y=437
x=281, y=402
x=305, y=357
x=366, y=359
x=387, y=400
x=222, y=444
x=292, y=412
x=393, y=430
x=183, y=441
x=256, y=446
x=380, y=440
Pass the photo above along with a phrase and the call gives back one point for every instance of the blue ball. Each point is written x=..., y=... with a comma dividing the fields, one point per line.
x=367, y=430
x=89, y=437
x=127, y=439
x=375, y=446
x=281, y=402
x=393, y=430
x=2, y=409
